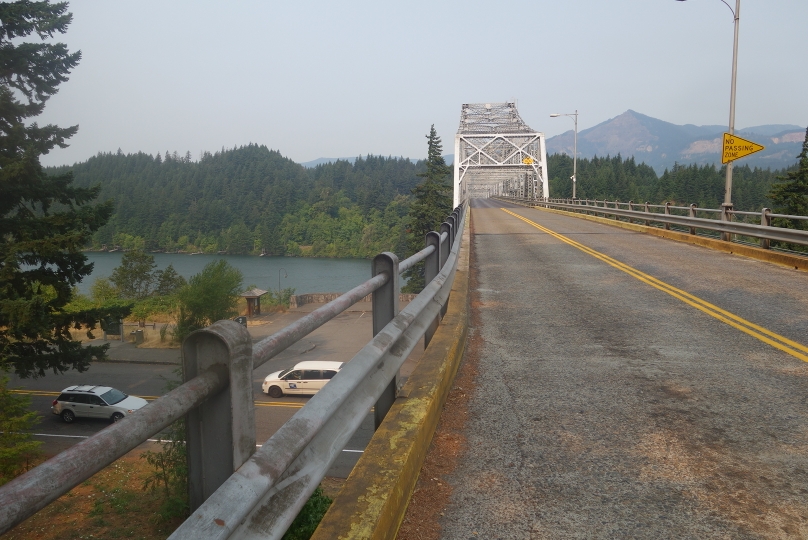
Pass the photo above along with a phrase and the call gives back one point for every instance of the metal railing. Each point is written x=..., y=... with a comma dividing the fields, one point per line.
x=692, y=219
x=236, y=491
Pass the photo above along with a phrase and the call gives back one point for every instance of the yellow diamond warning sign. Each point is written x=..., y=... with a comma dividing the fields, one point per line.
x=736, y=148
x=527, y=161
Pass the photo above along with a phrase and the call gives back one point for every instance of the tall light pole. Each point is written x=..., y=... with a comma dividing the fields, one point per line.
x=727, y=205
x=574, y=176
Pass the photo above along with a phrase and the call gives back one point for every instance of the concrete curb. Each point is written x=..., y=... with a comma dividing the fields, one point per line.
x=775, y=257
x=374, y=498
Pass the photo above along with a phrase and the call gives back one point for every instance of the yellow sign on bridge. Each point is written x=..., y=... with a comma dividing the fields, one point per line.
x=736, y=148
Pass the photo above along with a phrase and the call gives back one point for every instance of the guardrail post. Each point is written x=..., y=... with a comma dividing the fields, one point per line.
x=630, y=209
x=385, y=309
x=431, y=269
x=667, y=213
x=220, y=433
x=647, y=211
x=692, y=213
x=445, y=248
x=451, y=221
x=766, y=221
x=726, y=215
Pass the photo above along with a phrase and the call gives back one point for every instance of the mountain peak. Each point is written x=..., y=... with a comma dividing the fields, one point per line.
x=661, y=144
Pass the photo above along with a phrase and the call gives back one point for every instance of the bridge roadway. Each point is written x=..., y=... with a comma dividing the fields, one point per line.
x=607, y=408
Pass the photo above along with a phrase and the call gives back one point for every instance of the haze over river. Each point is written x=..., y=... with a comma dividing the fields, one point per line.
x=305, y=275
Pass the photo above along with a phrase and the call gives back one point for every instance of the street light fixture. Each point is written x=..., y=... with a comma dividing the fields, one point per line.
x=727, y=205
x=574, y=176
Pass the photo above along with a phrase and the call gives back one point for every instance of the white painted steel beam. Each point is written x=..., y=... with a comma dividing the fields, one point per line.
x=497, y=153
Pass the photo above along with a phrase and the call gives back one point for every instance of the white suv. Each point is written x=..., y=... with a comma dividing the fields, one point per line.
x=95, y=402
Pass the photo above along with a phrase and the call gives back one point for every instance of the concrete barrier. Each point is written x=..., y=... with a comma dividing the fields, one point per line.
x=374, y=498
x=777, y=257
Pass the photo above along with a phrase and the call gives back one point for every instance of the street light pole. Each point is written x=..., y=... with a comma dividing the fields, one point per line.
x=728, y=189
x=727, y=204
x=574, y=176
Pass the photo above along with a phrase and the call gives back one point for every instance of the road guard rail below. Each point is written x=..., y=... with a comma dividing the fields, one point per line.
x=665, y=215
x=234, y=490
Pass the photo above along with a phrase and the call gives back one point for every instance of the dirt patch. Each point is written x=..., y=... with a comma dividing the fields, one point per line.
x=111, y=504
x=733, y=488
x=432, y=492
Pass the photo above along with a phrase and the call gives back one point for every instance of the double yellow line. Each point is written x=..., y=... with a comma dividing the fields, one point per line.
x=777, y=341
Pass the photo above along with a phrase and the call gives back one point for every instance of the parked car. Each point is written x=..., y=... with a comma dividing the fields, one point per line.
x=89, y=401
x=305, y=378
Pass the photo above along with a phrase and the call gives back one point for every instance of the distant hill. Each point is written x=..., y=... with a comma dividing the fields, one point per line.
x=325, y=160
x=661, y=144
x=251, y=200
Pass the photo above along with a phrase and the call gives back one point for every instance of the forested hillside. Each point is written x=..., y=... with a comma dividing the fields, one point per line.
x=615, y=178
x=251, y=199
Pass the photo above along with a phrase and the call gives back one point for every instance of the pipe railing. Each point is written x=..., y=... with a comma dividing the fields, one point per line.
x=758, y=225
x=225, y=471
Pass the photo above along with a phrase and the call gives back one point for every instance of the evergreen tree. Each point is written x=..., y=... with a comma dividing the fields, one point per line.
x=431, y=205
x=168, y=281
x=136, y=276
x=791, y=196
x=44, y=220
x=18, y=450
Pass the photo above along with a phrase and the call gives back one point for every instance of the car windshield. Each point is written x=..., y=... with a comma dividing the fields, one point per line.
x=113, y=396
x=284, y=372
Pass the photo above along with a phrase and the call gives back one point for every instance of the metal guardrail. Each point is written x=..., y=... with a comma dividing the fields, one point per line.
x=236, y=491
x=665, y=215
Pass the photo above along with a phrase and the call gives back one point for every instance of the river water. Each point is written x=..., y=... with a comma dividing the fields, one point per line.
x=304, y=274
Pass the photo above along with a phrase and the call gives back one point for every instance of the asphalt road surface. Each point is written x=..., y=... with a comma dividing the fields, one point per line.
x=630, y=387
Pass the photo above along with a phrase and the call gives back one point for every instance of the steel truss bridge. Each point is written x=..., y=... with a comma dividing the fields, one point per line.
x=498, y=154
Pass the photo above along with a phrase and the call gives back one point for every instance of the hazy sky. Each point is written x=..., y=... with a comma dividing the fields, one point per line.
x=333, y=79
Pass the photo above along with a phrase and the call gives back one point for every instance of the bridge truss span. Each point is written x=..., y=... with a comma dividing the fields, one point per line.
x=497, y=153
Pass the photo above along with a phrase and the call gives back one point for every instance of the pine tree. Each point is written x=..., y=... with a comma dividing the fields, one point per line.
x=44, y=220
x=137, y=275
x=791, y=196
x=431, y=206
x=18, y=450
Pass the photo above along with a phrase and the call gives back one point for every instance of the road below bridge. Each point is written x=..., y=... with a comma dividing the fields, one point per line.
x=629, y=386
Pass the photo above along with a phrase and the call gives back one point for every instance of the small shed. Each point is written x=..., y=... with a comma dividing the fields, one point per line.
x=253, y=297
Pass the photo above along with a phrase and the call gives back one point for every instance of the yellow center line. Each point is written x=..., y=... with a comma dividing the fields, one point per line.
x=797, y=350
x=279, y=404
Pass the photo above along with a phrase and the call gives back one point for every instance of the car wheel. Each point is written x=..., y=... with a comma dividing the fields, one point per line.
x=275, y=391
x=117, y=416
x=68, y=416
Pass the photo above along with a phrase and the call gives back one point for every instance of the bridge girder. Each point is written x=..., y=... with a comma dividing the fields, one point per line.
x=498, y=154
